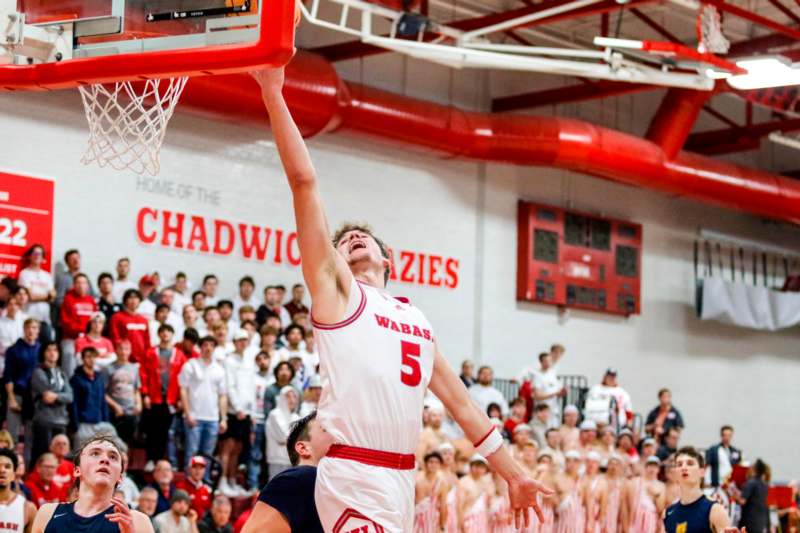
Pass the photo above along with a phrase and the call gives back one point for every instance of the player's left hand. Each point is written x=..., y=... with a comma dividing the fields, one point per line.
x=121, y=516
x=523, y=494
x=735, y=530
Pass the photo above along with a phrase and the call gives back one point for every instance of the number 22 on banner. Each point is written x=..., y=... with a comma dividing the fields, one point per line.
x=410, y=354
x=13, y=232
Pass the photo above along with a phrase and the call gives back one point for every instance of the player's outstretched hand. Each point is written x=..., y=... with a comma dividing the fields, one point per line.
x=270, y=79
x=735, y=530
x=523, y=494
x=121, y=516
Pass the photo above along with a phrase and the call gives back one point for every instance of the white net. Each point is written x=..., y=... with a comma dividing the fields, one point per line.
x=127, y=122
x=712, y=40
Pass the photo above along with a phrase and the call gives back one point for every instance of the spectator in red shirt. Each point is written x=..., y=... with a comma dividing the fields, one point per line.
x=65, y=473
x=160, y=391
x=78, y=307
x=94, y=338
x=517, y=415
x=199, y=492
x=128, y=324
x=64, y=476
x=43, y=489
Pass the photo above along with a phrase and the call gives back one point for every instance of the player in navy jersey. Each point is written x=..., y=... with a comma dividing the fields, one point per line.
x=694, y=512
x=98, y=469
x=286, y=504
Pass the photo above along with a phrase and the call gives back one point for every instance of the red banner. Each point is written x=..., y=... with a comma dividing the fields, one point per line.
x=26, y=218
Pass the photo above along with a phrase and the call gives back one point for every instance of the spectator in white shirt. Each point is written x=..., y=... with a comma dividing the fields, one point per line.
x=167, y=297
x=313, y=394
x=22, y=297
x=190, y=320
x=10, y=327
x=199, y=301
x=239, y=382
x=39, y=283
x=211, y=318
x=251, y=328
x=483, y=393
x=294, y=348
x=225, y=308
x=224, y=346
x=210, y=286
x=262, y=379
x=547, y=388
x=179, y=518
x=147, y=285
x=598, y=403
x=279, y=424
x=204, y=398
x=183, y=296
x=246, y=295
x=122, y=283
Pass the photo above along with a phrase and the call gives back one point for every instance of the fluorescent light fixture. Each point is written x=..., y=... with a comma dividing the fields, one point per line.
x=763, y=72
x=609, y=42
x=780, y=138
x=717, y=74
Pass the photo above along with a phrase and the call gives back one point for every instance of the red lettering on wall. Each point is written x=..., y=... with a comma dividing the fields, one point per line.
x=172, y=229
x=407, y=260
x=219, y=226
x=251, y=241
x=278, y=244
x=255, y=243
x=146, y=238
x=392, y=267
x=434, y=262
x=198, y=233
x=291, y=244
x=451, y=267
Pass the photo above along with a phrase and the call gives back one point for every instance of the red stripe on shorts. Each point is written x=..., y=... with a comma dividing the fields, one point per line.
x=395, y=461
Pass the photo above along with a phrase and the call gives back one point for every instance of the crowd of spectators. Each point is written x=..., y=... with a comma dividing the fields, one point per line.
x=608, y=472
x=209, y=387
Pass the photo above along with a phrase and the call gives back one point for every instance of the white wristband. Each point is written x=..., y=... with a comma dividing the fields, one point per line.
x=490, y=443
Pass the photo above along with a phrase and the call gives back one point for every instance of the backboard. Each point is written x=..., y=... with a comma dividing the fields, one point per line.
x=51, y=44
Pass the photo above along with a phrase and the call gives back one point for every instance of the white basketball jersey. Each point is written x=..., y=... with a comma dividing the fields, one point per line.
x=12, y=515
x=375, y=367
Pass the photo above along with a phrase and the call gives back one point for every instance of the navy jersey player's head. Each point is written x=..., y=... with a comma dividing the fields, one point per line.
x=8, y=467
x=99, y=464
x=690, y=466
x=362, y=250
x=307, y=442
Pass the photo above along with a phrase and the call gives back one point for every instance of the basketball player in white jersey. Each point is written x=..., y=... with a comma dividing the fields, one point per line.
x=16, y=513
x=377, y=358
x=98, y=470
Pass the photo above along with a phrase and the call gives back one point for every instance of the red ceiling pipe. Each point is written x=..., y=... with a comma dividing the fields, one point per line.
x=675, y=118
x=321, y=102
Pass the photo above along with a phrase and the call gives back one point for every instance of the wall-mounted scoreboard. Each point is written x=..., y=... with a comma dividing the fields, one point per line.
x=573, y=259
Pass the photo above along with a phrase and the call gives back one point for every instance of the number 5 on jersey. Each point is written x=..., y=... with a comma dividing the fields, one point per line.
x=410, y=371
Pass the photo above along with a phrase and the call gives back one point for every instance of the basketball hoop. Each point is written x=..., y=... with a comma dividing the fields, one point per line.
x=711, y=40
x=127, y=122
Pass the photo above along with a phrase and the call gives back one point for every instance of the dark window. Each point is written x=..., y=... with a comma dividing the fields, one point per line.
x=545, y=246
x=627, y=261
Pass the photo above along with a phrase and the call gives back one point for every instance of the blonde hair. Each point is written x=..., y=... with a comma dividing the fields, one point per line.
x=6, y=436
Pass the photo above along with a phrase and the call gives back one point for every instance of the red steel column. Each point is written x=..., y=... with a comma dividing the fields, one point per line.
x=675, y=119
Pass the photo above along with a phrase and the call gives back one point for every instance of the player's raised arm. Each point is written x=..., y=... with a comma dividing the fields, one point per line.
x=327, y=275
x=522, y=490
